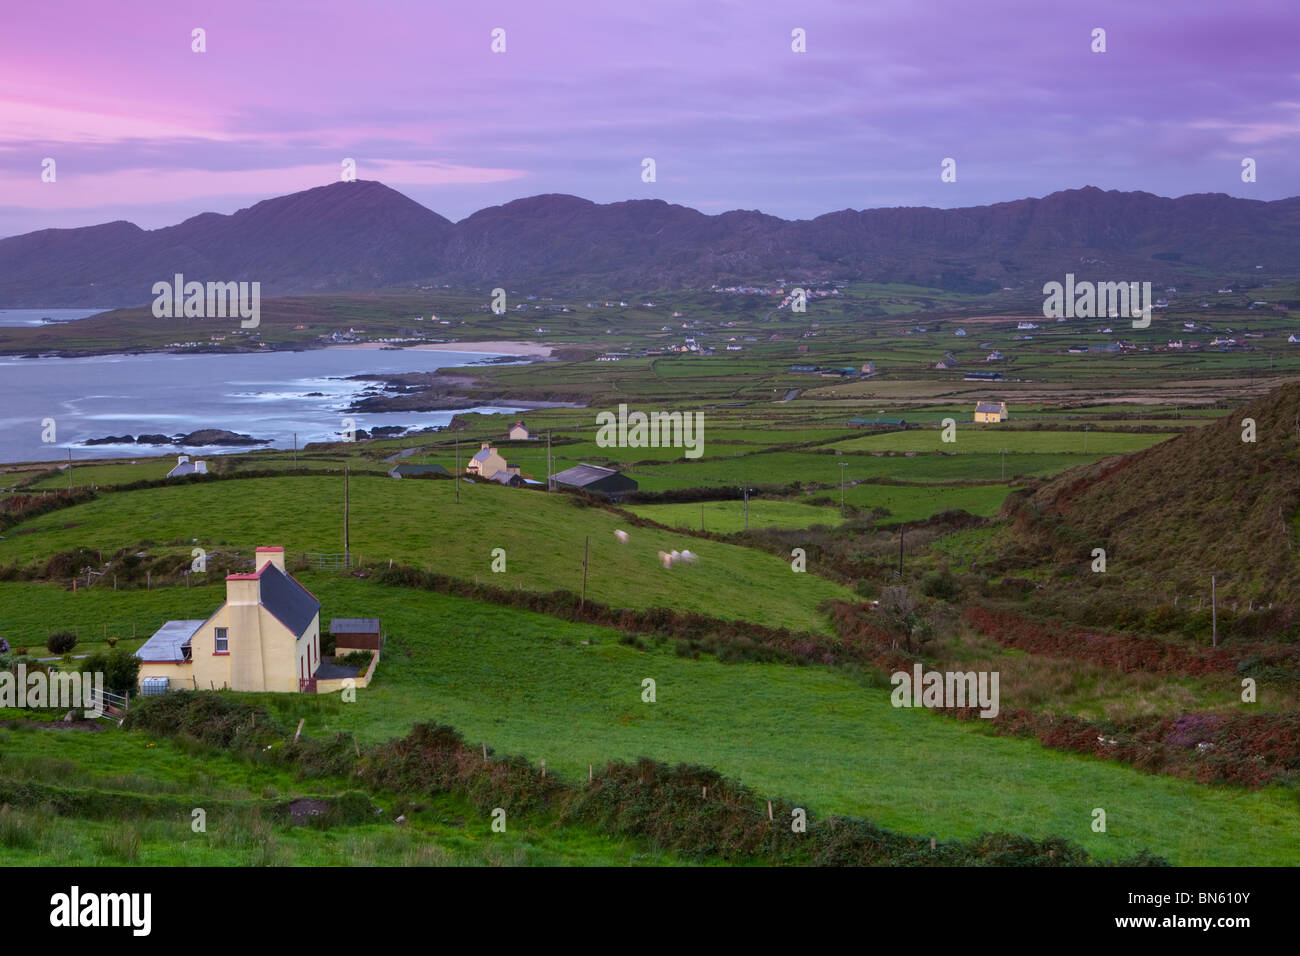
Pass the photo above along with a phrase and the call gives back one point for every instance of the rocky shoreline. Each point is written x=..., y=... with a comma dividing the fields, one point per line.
x=431, y=392
x=195, y=439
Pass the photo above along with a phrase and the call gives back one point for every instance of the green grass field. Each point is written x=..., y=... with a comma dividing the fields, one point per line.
x=525, y=683
x=977, y=439
x=570, y=694
x=114, y=766
x=904, y=503
x=419, y=523
x=727, y=517
x=782, y=468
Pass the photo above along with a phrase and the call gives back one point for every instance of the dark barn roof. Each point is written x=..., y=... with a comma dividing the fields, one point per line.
x=595, y=478
x=404, y=471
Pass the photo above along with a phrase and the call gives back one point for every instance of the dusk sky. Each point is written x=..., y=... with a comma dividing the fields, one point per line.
x=142, y=128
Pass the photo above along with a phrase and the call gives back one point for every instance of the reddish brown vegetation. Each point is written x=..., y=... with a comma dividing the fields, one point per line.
x=1122, y=652
x=1247, y=750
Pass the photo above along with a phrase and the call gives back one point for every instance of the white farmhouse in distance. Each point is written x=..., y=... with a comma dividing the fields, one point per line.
x=186, y=467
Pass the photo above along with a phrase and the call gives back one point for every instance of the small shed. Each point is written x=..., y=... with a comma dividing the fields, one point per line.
x=356, y=634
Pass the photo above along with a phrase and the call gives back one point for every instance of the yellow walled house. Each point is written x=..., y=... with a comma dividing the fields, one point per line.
x=487, y=463
x=991, y=412
x=266, y=637
x=518, y=432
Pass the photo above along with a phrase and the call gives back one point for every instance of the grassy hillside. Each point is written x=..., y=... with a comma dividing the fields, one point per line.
x=146, y=789
x=570, y=694
x=1206, y=502
x=419, y=523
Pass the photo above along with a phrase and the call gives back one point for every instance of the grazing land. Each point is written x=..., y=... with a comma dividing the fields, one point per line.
x=1119, y=688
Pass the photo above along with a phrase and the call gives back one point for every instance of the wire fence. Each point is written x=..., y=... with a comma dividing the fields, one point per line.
x=98, y=631
x=329, y=562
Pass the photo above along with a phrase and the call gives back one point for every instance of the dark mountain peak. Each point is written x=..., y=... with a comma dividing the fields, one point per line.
x=543, y=206
x=361, y=197
x=363, y=235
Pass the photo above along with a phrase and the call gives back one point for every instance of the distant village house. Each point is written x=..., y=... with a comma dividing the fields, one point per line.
x=186, y=467
x=487, y=462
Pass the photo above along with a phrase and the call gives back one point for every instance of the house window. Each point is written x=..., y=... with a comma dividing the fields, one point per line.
x=221, y=642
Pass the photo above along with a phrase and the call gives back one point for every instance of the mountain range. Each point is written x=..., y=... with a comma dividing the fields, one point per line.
x=361, y=236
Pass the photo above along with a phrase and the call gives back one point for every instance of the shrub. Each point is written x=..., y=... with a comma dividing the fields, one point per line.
x=67, y=564
x=358, y=659
x=941, y=585
x=61, y=642
x=121, y=668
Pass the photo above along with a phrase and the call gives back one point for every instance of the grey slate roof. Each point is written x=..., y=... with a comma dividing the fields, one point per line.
x=401, y=471
x=354, y=625
x=581, y=475
x=989, y=407
x=483, y=454
x=165, y=644
x=291, y=603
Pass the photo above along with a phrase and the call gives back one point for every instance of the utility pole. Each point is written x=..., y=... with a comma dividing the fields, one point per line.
x=746, y=490
x=295, y=449
x=1214, y=613
x=900, y=550
x=843, y=465
x=347, y=544
x=1004, y=464
x=548, y=460
x=69, y=469
x=456, y=476
x=586, y=550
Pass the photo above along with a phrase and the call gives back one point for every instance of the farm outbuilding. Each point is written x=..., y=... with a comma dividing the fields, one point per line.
x=356, y=634
x=596, y=480
x=415, y=471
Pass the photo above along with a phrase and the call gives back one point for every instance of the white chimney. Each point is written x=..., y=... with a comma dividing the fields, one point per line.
x=200, y=467
x=182, y=459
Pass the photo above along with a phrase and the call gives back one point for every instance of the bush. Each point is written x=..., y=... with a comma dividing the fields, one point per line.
x=61, y=642
x=357, y=659
x=941, y=585
x=121, y=669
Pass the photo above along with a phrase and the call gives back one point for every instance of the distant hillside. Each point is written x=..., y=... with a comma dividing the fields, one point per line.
x=363, y=236
x=1202, y=503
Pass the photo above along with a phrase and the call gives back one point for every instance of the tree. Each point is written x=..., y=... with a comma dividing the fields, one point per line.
x=61, y=642
x=902, y=614
x=121, y=669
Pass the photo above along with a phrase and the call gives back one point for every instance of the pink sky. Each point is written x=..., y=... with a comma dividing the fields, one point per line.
x=142, y=128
